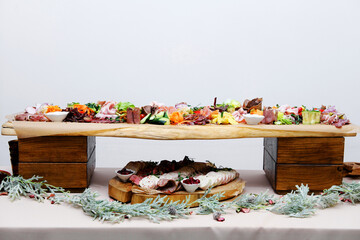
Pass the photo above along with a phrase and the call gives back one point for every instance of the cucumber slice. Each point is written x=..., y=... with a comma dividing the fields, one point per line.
x=165, y=120
x=166, y=115
x=160, y=121
x=145, y=118
x=152, y=117
x=160, y=115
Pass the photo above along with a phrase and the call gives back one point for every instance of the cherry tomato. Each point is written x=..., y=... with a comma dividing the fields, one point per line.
x=142, y=116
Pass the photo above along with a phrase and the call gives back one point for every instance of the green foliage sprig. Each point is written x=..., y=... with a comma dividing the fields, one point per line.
x=155, y=209
x=298, y=203
x=17, y=186
x=104, y=210
x=253, y=201
x=346, y=191
x=212, y=204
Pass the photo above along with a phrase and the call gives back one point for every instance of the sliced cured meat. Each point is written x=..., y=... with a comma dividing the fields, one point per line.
x=270, y=115
x=150, y=182
x=239, y=115
x=37, y=117
x=341, y=123
x=136, y=115
x=213, y=179
x=135, y=179
x=168, y=185
x=129, y=116
x=136, y=166
x=255, y=103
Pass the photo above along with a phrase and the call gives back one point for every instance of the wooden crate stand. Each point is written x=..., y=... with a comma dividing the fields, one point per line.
x=317, y=162
x=68, y=162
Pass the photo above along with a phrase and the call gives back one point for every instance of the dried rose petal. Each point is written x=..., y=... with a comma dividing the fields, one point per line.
x=32, y=196
x=50, y=196
x=271, y=202
x=245, y=210
x=220, y=219
x=4, y=193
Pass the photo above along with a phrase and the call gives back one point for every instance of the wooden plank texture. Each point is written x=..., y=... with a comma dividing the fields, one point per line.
x=179, y=132
x=318, y=177
x=56, y=149
x=306, y=150
x=66, y=175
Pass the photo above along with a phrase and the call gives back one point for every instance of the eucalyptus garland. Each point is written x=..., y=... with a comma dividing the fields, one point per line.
x=298, y=203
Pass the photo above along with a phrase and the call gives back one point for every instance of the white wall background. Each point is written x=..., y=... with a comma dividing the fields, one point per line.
x=294, y=52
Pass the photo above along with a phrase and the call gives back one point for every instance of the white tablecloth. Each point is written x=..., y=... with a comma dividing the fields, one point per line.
x=28, y=219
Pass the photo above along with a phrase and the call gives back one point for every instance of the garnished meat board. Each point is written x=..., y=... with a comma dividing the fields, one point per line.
x=122, y=192
x=25, y=129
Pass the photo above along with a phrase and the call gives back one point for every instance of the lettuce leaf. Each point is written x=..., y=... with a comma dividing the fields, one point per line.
x=232, y=103
x=70, y=105
x=95, y=107
x=123, y=106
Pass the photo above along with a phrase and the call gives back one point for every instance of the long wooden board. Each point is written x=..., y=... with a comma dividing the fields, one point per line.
x=169, y=132
x=122, y=192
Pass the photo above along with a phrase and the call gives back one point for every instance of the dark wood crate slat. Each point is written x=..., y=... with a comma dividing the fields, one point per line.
x=91, y=143
x=269, y=167
x=318, y=177
x=91, y=164
x=317, y=162
x=66, y=175
x=56, y=149
x=306, y=150
x=57, y=160
x=270, y=144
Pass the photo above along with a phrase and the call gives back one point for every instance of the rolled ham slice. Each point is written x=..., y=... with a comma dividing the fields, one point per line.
x=213, y=179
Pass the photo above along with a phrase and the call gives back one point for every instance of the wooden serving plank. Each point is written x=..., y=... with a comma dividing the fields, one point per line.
x=122, y=192
x=169, y=132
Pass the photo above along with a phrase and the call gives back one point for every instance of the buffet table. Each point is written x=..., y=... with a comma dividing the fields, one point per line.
x=28, y=219
x=293, y=154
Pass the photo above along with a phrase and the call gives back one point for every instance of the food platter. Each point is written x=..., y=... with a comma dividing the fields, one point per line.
x=25, y=129
x=123, y=192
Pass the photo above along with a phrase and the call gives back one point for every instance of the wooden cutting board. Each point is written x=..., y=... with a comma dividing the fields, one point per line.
x=122, y=192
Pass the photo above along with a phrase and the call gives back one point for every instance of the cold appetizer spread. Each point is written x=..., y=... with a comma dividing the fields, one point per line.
x=229, y=112
x=170, y=176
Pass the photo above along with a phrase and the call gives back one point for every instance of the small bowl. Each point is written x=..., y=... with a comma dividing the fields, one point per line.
x=124, y=177
x=56, y=116
x=3, y=174
x=190, y=187
x=253, y=119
